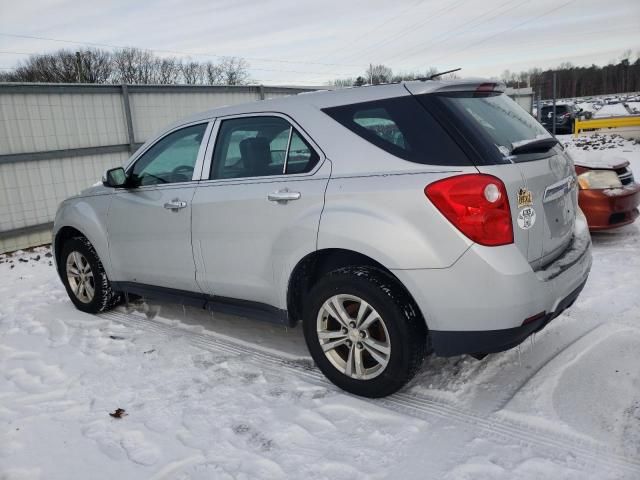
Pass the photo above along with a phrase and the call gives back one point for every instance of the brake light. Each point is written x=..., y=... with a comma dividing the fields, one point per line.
x=486, y=88
x=477, y=205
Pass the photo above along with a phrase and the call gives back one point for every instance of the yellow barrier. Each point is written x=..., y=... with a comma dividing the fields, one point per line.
x=609, y=122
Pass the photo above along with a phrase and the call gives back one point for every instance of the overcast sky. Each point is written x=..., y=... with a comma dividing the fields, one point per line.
x=312, y=42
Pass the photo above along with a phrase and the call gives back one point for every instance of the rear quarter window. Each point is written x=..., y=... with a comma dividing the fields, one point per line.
x=401, y=127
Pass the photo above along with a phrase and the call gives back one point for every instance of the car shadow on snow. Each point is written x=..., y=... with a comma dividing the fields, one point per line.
x=627, y=236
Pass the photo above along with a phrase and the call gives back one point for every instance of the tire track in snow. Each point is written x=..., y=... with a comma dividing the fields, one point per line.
x=503, y=402
x=587, y=450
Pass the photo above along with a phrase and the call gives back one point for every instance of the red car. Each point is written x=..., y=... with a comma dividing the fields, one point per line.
x=609, y=196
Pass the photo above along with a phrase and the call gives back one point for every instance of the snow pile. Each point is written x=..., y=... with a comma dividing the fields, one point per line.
x=587, y=107
x=615, y=110
x=602, y=150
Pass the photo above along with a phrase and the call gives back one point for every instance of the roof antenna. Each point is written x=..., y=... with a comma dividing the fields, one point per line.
x=435, y=75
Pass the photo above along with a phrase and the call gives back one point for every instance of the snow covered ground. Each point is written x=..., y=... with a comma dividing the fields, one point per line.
x=615, y=110
x=217, y=397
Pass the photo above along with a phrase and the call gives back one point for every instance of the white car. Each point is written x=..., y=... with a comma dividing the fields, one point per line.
x=392, y=221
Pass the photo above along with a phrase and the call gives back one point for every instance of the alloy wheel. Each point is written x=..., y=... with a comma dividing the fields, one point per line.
x=80, y=277
x=353, y=337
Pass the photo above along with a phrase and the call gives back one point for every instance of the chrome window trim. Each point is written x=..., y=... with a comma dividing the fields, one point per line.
x=163, y=186
x=197, y=167
x=208, y=156
x=206, y=170
x=286, y=152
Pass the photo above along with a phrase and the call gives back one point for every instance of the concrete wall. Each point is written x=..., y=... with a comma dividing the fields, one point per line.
x=57, y=139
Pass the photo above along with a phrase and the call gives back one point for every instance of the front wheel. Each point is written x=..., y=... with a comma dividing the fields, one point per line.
x=364, y=332
x=84, y=277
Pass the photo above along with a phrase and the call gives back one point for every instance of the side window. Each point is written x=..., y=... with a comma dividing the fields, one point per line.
x=170, y=160
x=302, y=158
x=379, y=122
x=401, y=127
x=259, y=147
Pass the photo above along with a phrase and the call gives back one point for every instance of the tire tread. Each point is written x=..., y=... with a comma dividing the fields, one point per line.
x=416, y=341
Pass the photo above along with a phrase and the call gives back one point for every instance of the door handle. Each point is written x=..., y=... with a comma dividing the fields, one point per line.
x=175, y=205
x=283, y=196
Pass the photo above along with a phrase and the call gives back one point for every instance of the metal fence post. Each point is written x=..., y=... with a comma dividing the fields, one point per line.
x=261, y=91
x=554, y=104
x=127, y=116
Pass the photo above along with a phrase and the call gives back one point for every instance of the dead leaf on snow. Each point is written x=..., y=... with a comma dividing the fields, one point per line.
x=119, y=413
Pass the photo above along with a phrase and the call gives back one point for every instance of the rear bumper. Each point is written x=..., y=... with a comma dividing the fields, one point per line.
x=490, y=300
x=448, y=343
x=611, y=208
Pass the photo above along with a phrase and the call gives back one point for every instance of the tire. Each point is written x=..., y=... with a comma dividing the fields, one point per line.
x=97, y=294
x=398, y=335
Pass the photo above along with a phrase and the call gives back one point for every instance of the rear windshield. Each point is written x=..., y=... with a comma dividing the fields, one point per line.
x=402, y=127
x=491, y=122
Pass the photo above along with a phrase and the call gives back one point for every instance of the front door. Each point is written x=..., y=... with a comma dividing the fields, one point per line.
x=149, y=223
x=259, y=210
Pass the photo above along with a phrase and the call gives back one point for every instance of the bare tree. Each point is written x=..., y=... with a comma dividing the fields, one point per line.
x=377, y=74
x=59, y=67
x=343, y=82
x=168, y=71
x=126, y=65
x=213, y=74
x=192, y=73
x=97, y=66
x=571, y=81
x=235, y=71
x=134, y=65
x=359, y=81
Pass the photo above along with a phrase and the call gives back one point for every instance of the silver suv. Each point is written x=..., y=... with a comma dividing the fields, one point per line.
x=393, y=221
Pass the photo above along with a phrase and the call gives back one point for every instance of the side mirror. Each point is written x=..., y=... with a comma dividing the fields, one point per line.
x=115, y=178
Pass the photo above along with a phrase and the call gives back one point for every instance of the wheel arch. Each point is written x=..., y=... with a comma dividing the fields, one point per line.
x=62, y=235
x=314, y=265
x=86, y=217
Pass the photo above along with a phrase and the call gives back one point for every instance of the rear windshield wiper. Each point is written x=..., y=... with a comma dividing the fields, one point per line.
x=538, y=145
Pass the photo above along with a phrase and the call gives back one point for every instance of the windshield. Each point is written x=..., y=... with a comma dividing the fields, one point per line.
x=495, y=117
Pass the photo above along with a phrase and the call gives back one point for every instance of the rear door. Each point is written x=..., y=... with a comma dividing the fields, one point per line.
x=259, y=208
x=540, y=180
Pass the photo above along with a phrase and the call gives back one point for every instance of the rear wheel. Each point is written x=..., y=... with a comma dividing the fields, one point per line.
x=84, y=277
x=364, y=332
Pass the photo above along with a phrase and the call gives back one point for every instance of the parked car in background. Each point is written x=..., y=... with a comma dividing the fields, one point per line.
x=609, y=195
x=566, y=114
x=392, y=221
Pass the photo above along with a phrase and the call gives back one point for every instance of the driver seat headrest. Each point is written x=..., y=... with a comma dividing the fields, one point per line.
x=256, y=156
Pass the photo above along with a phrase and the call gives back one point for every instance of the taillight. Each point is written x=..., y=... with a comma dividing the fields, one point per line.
x=477, y=205
x=484, y=88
